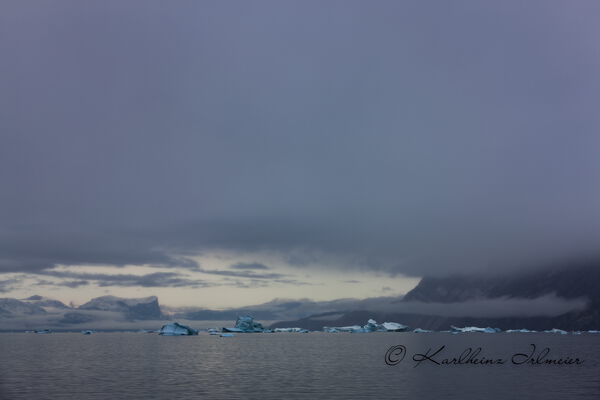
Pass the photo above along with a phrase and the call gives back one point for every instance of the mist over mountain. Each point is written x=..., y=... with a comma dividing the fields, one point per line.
x=567, y=298
x=558, y=297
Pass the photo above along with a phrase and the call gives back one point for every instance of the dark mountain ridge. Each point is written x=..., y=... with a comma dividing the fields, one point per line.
x=578, y=280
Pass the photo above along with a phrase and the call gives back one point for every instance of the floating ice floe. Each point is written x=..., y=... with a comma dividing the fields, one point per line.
x=87, y=332
x=468, y=329
x=394, y=327
x=176, y=329
x=245, y=324
x=576, y=332
x=371, y=326
x=43, y=331
x=554, y=330
x=226, y=335
x=352, y=328
x=297, y=330
x=419, y=330
x=593, y=331
x=213, y=331
x=519, y=331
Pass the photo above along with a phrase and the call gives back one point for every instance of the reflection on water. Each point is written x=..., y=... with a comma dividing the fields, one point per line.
x=286, y=365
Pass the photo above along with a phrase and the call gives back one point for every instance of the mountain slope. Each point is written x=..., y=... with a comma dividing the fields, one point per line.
x=581, y=280
x=143, y=308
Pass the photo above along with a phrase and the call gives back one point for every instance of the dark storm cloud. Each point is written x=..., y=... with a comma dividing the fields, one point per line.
x=69, y=284
x=243, y=274
x=397, y=136
x=157, y=279
x=6, y=285
x=251, y=266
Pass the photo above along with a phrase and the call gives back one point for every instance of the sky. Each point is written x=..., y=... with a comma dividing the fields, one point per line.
x=228, y=153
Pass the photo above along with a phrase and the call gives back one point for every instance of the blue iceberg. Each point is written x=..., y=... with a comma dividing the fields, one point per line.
x=176, y=329
x=245, y=324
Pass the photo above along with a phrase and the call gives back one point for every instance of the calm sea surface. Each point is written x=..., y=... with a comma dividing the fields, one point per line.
x=290, y=366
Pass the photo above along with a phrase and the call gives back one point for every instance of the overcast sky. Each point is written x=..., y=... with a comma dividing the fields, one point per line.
x=331, y=146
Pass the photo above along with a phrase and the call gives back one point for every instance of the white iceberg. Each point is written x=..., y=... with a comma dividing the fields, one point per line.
x=419, y=330
x=468, y=329
x=554, y=330
x=176, y=329
x=593, y=331
x=519, y=331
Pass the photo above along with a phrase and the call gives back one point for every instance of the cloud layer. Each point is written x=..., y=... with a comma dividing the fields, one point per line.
x=399, y=136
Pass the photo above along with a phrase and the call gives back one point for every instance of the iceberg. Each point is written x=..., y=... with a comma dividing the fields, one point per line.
x=394, y=327
x=87, y=332
x=350, y=329
x=519, y=331
x=468, y=329
x=43, y=331
x=353, y=328
x=554, y=330
x=419, y=330
x=297, y=330
x=176, y=329
x=593, y=331
x=245, y=324
x=371, y=326
x=226, y=335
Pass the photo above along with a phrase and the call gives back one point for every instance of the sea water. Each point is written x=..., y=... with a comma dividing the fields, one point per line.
x=299, y=366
